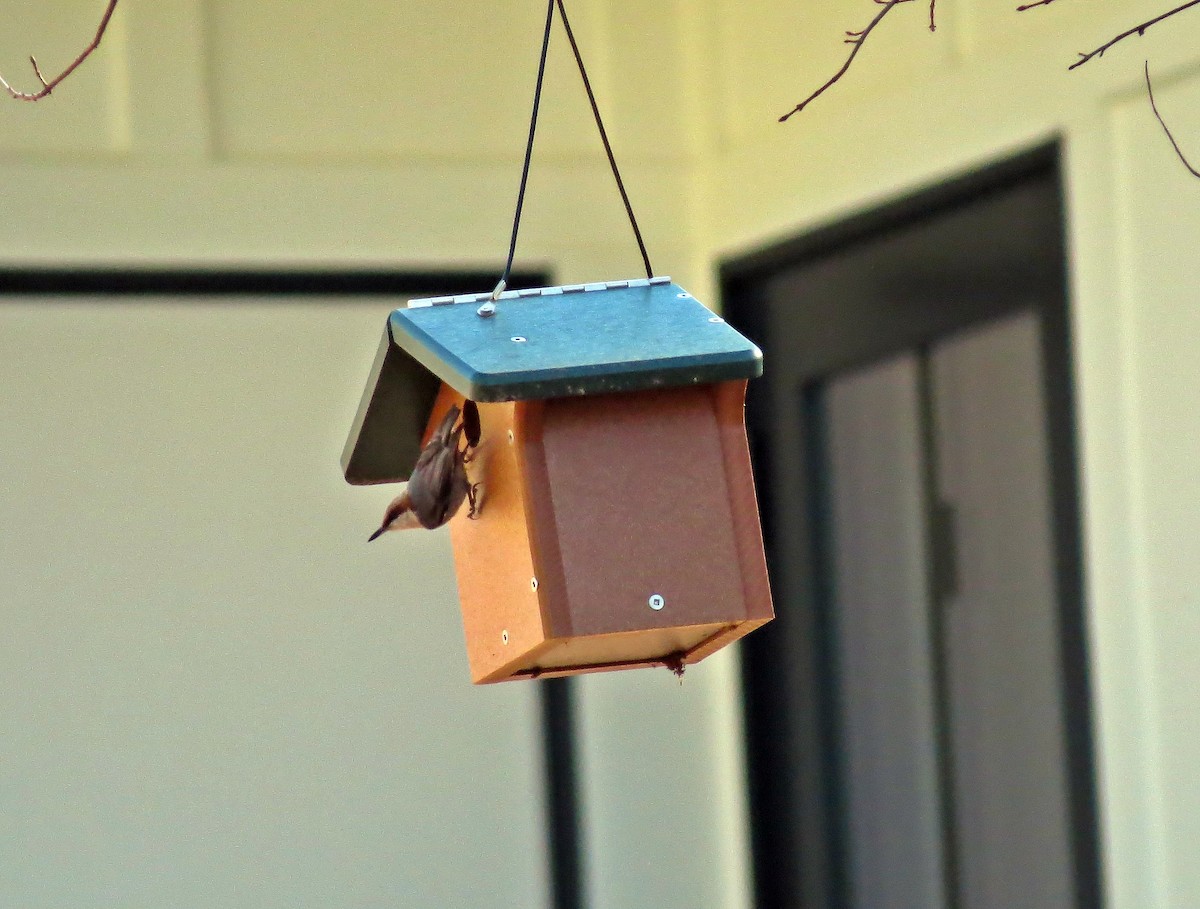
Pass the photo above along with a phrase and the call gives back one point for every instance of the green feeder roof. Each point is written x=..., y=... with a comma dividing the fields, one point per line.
x=547, y=342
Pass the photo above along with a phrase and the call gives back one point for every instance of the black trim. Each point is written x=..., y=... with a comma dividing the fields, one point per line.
x=809, y=332
x=105, y=282
x=938, y=574
x=788, y=718
x=922, y=206
x=1059, y=391
x=562, y=809
x=828, y=697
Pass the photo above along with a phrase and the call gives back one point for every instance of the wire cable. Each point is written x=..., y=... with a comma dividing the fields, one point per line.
x=537, y=99
x=612, y=161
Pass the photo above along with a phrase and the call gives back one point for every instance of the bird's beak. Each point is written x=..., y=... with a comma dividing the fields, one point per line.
x=376, y=534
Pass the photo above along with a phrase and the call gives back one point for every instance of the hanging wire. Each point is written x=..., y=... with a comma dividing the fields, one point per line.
x=537, y=98
x=612, y=161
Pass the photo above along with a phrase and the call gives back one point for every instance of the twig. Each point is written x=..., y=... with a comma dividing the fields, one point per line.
x=48, y=87
x=1163, y=124
x=1025, y=6
x=932, y=17
x=855, y=39
x=1138, y=30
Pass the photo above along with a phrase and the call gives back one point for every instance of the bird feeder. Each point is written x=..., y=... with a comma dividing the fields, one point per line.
x=617, y=524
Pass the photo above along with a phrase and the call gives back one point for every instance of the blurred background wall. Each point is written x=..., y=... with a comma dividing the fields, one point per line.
x=215, y=694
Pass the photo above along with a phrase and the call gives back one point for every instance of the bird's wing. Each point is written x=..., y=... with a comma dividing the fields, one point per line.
x=439, y=441
x=435, y=490
x=446, y=427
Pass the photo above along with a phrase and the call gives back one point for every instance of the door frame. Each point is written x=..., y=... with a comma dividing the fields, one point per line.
x=788, y=676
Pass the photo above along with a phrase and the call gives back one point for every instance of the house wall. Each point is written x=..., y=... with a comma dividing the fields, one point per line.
x=178, y=734
x=917, y=108
x=212, y=691
x=211, y=133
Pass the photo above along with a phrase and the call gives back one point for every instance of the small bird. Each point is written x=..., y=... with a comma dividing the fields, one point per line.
x=439, y=483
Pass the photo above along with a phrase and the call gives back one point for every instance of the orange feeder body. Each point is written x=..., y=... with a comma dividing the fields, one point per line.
x=617, y=524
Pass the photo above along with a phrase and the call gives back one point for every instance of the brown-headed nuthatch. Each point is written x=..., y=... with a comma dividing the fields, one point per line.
x=439, y=482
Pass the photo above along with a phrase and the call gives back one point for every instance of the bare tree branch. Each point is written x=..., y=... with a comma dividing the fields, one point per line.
x=48, y=87
x=1166, y=129
x=1138, y=30
x=855, y=39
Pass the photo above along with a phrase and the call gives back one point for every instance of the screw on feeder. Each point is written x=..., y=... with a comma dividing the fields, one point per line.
x=656, y=602
x=716, y=320
x=504, y=636
x=533, y=584
x=487, y=310
x=518, y=339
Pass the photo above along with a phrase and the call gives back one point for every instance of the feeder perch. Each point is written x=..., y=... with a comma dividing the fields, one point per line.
x=618, y=525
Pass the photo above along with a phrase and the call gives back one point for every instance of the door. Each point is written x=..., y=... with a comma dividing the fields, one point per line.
x=945, y=626
x=918, y=720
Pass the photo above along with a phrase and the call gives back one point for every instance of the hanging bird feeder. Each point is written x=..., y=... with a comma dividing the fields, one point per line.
x=617, y=523
x=613, y=522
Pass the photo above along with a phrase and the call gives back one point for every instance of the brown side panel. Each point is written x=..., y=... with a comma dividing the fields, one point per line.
x=501, y=616
x=640, y=503
x=730, y=401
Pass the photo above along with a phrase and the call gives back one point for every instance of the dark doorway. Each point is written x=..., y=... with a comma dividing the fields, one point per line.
x=918, y=716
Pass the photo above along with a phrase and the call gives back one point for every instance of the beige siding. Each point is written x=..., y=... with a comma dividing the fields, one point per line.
x=909, y=115
x=209, y=132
